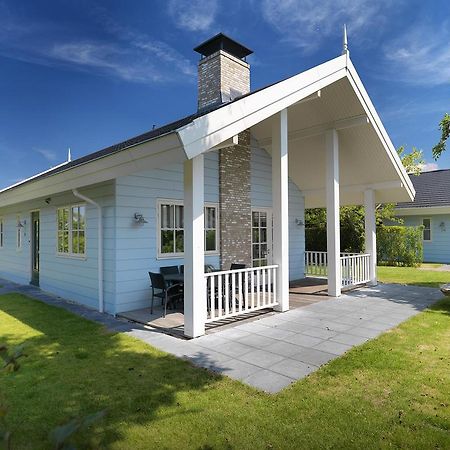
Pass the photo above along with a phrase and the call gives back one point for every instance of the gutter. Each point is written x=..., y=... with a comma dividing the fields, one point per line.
x=100, y=246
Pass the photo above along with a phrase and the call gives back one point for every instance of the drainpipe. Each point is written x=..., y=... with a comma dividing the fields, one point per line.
x=100, y=246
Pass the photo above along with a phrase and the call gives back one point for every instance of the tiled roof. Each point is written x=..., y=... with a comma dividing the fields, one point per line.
x=432, y=189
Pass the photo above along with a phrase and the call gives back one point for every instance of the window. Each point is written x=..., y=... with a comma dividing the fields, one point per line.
x=71, y=230
x=171, y=228
x=1, y=233
x=426, y=229
x=19, y=233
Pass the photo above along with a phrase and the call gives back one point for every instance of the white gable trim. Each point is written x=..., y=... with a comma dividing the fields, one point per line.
x=211, y=129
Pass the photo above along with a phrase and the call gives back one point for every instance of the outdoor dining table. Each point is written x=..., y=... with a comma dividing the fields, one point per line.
x=179, y=277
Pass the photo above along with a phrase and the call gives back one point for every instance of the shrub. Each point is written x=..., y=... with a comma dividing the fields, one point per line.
x=400, y=246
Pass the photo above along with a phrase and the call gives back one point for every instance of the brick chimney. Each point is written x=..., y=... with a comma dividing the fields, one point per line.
x=223, y=75
x=223, y=72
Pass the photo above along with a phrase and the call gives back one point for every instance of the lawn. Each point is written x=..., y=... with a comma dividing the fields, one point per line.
x=411, y=275
x=390, y=392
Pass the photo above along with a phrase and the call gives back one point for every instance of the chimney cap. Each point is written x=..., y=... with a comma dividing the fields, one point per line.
x=223, y=42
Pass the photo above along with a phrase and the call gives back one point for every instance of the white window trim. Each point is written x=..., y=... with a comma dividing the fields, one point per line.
x=431, y=233
x=71, y=255
x=169, y=201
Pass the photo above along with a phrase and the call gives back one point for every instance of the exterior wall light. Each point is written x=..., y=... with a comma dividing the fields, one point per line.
x=139, y=219
x=21, y=224
x=442, y=226
x=299, y=222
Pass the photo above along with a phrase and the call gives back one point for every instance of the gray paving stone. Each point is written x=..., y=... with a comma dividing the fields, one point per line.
x=322, y=333
x=268, y=381
x=313, y=356
x=233, y=333
x=261, y=358
x=238, y=370
x=365, y=332
x=284, y=348
x=251, y=327
x=335, y=326
x=349, y=339
x=333, y=347
x=257, y=340
x=293, y=369
x=294, y=326
x=275, y=333
x=303, y=340
x=234, y=348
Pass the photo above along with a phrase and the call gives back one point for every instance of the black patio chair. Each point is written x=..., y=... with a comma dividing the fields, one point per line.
x=169, y=270
x=167, y=294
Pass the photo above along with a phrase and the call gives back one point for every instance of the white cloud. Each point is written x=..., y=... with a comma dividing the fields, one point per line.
x=122, y=53
x=306, y=23
x=193, y=15
x=421, y=55
x=49, y=155
x=427, y=167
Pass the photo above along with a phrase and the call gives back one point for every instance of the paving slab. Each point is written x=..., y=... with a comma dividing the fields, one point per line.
x=273, y=351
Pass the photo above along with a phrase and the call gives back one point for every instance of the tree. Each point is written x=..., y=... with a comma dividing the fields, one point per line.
x=444, y=126
x=411, y=161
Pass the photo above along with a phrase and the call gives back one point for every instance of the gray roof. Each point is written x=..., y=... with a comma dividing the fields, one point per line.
x=432, y=189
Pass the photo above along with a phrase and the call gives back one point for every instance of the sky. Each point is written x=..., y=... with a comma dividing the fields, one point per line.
x=86, y=74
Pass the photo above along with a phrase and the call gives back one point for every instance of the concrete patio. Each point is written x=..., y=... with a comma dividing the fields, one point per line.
x=271, y=352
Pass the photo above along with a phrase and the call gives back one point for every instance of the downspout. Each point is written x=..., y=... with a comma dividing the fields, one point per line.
x=100, y=246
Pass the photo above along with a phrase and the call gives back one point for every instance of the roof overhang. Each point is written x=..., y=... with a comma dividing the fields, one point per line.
x=327, y=96
x=423, y=210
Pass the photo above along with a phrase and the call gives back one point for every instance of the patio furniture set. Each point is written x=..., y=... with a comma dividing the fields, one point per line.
x=168, y=285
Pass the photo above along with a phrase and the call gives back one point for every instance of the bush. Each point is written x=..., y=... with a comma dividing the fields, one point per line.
x=400, y=246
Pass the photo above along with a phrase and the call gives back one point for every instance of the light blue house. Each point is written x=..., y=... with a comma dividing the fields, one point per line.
x=430, y=209
x=225, y=185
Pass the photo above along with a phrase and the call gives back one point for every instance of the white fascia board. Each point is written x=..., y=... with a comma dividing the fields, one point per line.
x=211, y=129
x=378, y=126
x=422, y=211
x=163, y=150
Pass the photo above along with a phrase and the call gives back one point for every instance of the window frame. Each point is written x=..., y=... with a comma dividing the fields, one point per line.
x=70, y=253
x=176, y=202
x=424, y=228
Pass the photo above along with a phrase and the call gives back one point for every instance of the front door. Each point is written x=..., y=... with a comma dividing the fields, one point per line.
x=35, y=248
x=261, y=237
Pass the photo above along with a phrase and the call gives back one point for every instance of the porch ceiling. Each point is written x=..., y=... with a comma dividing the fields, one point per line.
x=363, y=159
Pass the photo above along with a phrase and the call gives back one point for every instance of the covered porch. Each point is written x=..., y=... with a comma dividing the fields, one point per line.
x=329, y=141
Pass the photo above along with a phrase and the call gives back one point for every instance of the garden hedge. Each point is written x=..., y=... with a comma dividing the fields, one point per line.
x=399, y=246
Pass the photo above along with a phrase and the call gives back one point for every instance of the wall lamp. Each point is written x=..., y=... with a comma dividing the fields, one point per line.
x=139, y=219
x=299, y=222
x=21, y=224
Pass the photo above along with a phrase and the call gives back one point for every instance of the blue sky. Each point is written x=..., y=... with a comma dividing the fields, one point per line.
x=87, y=74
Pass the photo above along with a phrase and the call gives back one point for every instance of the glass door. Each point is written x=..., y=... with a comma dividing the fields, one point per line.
x=261, y=237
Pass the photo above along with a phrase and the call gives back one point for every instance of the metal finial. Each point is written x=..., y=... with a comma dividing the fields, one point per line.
x=69, y=155
x=345, y=42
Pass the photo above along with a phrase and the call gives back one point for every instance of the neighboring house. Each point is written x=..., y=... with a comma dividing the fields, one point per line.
x=431, y=209
x=215, y=187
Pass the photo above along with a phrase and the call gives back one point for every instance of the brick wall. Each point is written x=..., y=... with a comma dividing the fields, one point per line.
x=235, y=203
x=221, y=78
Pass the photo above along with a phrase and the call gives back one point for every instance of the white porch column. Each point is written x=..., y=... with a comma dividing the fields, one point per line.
x=333, y=227
x=194, y=246
x=280, y=207
x=371, y=236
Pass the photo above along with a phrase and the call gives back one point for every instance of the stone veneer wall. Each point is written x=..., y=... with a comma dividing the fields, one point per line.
x=235, y=203
x=221, y=78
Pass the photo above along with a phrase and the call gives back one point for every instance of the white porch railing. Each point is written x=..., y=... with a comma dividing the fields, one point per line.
x=355, y=267
x=234, y=292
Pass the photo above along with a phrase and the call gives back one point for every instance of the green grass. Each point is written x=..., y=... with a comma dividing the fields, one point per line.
x=413, y=275
x=391, y=392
